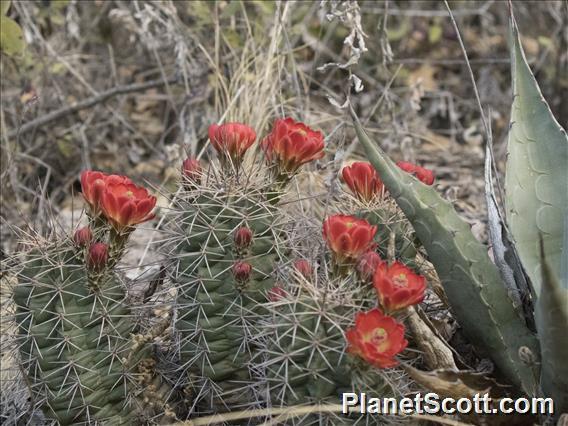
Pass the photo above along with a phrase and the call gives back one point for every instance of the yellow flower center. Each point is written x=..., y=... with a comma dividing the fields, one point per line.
x=400, y=280
x=378, y=338
x=349, y=224
x=129, y=194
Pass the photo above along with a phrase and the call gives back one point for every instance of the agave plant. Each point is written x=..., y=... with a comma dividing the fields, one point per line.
x=485, y=295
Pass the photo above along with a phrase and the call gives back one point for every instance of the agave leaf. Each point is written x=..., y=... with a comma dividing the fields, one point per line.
x=472, y=282
x=537, y=174
x=551, y=316
x=504, y=252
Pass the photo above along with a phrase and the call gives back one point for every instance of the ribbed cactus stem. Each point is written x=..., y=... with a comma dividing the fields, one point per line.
x=223, y=273
x=75, y=343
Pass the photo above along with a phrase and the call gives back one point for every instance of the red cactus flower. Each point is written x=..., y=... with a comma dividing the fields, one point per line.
x=291, y=144
x=367, y=265
x=348, y=237
x=242, y=237
x=398, y=286
x=276, y=293
x=98, y=256
x=242, y=271
x=83, y=236
x=191, y=170
x=303, y=267
x=93, y=185
x=424, y=175
x=376, y=338
x=363, y=180
x=232, y=140
x=126, y=205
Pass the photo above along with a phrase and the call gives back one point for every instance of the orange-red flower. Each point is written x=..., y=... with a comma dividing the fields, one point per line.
x=93, y=185
x=291, y=144
x=376, y=338
x=126, y=205
x=348, y=237
x=424, y=175
x=232, y=140
x=398, y=286
x=363, y=180
x=367, y=265
x=191, y=170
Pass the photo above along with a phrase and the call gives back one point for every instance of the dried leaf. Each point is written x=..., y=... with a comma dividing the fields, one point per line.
x=456, y=384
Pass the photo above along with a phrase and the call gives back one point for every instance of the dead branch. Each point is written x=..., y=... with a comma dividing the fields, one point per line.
x=88, y=103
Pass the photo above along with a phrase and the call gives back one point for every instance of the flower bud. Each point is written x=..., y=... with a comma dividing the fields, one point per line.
x=191, y=170
x=242, y=271
x=232, y=140
x=98, y=256
x=303, y=267
x=83, y=236
x=243, y=237
x=363, y=180
x=367, y=265
x=276, y=293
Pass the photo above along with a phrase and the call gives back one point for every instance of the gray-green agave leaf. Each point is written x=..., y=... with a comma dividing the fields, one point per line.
x=537, y=174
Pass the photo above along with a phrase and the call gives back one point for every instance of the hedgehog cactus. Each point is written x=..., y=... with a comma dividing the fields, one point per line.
x=304, y=353
x=226, y=240
x=246, y=339
x=226, y=235
x=78, y=340
x=258, y=326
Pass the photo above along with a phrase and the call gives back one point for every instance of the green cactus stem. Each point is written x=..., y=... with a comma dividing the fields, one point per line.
x=74, y=339
x=216, y=309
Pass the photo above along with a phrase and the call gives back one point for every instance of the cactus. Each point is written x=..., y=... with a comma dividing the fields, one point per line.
x=256, y=328
x=304, y=353
x=536, y=206
x=76, y=344
x=218, y=295
x=80, y=344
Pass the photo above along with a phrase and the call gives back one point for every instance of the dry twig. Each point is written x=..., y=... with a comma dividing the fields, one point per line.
x=88, y=103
